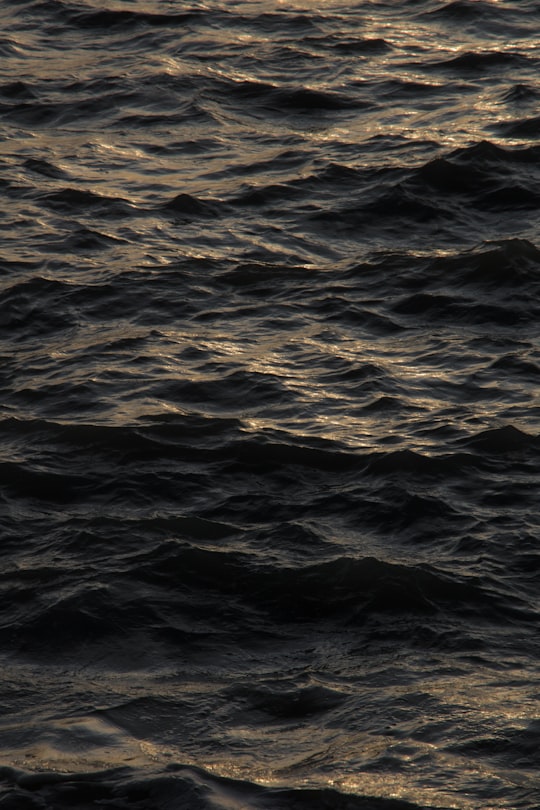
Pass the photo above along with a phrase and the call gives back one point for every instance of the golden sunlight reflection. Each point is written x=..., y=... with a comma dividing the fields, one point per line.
x=431, y=772
x=342, y=419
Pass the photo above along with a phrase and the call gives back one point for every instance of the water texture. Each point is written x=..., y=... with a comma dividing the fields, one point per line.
x=269, y=412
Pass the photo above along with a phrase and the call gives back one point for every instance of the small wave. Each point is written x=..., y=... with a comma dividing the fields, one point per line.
x=183, y=584
x=367, y=45
x=9, y=47
x=520, y=93
x=512, y=263
x=460, y=10
x=446, y=176
x=110, y=18
x=285, y=99
x=307, y=99
x=460, y=310
x=352, y=588
x=517, y=367
x=506, y=439
x=32, y=307
x=286, y=704
x=68, y=200
x=398, y=462
x=265, y=195
x=268, y=454
x=520, y=128
x=406, y=88
x=86, y=239
x=392, y=207
x=298, y=24
x=265, y=276
x=486, y=176
x=473, y=61
x=177, y=786
x=18, y=90
x=185, y=205
x=484, y=153
x=147, y=436
x=490, y=283
x=511, y=748
x=45, y=168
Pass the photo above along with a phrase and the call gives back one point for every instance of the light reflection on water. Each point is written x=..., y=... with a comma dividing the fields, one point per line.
x=269, y=407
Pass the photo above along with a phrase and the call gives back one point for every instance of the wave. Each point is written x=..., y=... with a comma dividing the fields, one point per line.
x=279, y=98
x=183, y=585
x=503, y=439
x=71, y=200
x=184, y=205
x=109, y=18
x=520, y=93
x=464, y=10
x=17, y=89
x=472, y=61
x=178, y=786
x=520, y=128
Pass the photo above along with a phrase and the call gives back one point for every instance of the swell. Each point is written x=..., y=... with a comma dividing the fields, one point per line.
x=469, y=182
x=210, y=440
x=188, y=785
x=166, y=571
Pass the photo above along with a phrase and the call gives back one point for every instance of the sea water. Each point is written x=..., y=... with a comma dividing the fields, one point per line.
x=269, y=413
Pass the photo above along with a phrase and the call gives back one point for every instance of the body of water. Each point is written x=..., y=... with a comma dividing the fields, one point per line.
x=269, y=405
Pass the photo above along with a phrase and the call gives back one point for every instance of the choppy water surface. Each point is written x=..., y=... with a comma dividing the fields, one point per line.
x=269, y=294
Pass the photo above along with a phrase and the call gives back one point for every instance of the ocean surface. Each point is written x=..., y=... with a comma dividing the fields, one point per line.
x=269, y=405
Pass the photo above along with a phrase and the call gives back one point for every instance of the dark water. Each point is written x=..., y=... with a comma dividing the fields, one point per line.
x=269, y=415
